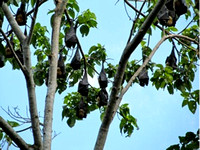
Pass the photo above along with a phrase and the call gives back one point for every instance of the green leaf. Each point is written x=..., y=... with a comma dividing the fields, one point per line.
x=71, y=13
x=71, y=122
x=13, y=124
x=84, y=29
x=1, y=135
x=185, y=102
x=33, y=2
x=102, y=115
x=122, y=124
x=192, y=106
x=170, y=89
x=173, y=29
x=174, y=147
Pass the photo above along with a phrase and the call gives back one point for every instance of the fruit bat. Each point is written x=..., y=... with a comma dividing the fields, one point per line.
x=171, y=59
x=70, y=37
x=8, y=51
x=2, y=63
x=76, y=60
x=20, y=56
x=81, y=110
x=21, y=17
x=197, y=4
x=102, y=97
x=103, y=81
x=83, y=85
x=166, y=17
x=180, y=7
x=143, y=77
x=61, y=72
x=1, y=20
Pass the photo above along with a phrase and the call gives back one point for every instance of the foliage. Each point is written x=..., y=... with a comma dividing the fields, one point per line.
x=189, y=141
x=162, y=77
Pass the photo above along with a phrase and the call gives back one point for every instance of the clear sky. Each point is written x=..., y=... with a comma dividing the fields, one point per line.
x=160, y=117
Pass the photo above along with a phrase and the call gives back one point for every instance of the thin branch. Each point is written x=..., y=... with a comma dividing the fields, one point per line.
x=82, y=53
x=13, y=135
x=13, y=23
x=22, y=67
x=24, y=129
x=124, y=90
x=33, y=21
x=138, y=15
x=40, y=3
x=187, y=25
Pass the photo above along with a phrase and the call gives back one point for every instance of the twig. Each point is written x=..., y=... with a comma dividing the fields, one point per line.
x=82, y=53
x=24, y=129
x=138, y=15
x=40, y=3
x=186, y=26
x=33, y=22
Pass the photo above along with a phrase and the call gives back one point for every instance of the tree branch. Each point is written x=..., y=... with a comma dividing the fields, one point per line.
x=124, y=90
x=13, y=23
x=13, y=135
x=23, y=68
x=113, y=104
x=32, y=97
x=52, y=84
x=33, y=22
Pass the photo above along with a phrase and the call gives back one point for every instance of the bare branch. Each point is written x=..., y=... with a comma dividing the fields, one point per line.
x=40, y=3
x=113, y=103
x=24, y=129
x=13, y=23
x=13, y=135
x=33, y=21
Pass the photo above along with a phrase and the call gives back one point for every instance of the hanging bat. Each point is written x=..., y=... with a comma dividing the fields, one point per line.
x=1, y=19
x=76, y=60
x=20, y=56
x=166, y=17
x=143, y=77
x=197, y=4
x=102, y=97
x=83, y=85
x=70, y=37
x=61, y=72
x=103, y=81
x=21, y=17
x=81, y=110
x=2, y=63
x=171, y=59
x=8, y=51
x=180, y=7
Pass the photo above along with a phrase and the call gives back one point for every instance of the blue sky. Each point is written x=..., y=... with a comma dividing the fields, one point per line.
x=160, y=117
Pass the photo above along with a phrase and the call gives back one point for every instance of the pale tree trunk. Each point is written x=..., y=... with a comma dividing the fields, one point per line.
x=52, y=82
x=114, y=100
x=27, y=70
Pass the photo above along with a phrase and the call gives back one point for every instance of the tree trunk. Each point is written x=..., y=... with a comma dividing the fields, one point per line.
x=52, y=82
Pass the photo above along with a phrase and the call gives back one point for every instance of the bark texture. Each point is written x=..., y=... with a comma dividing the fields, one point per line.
x=28, y=76
x=52, y=83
